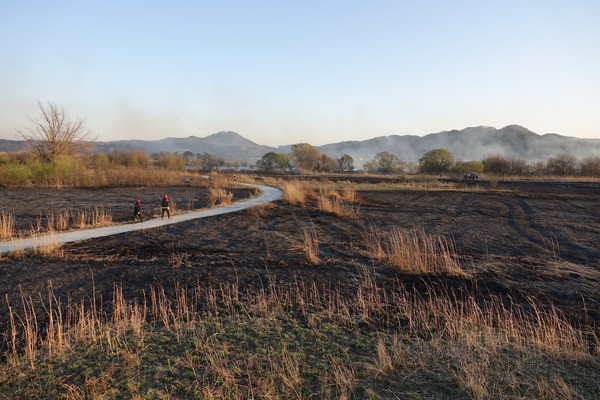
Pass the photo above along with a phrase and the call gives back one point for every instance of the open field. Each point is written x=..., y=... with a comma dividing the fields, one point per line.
x=291, y=301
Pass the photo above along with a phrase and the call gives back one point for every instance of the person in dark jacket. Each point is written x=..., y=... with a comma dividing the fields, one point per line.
x=137, y=210
x=166, y=206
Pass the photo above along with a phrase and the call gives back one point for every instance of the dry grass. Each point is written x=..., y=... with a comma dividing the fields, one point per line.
x=49, y=248
x=332, y=202
x=7, y=225
x=310, y=244
x=349, y=195
x=235, y=343
x=296, y=192
x=220, y=181
x=57, y=220
x=134, y=176
x=218, y=196
x=228, y=342
x=261, y=211
x=413, y=251
x=63, y=220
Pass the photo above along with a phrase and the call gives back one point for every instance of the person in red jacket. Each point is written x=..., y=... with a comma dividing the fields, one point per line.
x=137, y=210
x=166, y=206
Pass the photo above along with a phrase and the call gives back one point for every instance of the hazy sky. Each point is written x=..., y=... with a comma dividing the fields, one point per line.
x=281, y=72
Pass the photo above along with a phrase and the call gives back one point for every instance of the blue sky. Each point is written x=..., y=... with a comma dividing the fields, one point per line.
x=282, y=72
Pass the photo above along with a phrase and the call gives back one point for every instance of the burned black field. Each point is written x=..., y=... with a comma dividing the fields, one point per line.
x=520, y=240
x=373, y=288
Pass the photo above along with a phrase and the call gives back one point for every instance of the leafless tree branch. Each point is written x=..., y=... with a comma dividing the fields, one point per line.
x=54, y=134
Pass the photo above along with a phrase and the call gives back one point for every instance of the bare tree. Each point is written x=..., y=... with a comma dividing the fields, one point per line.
x=562, y=164
x=54, y=134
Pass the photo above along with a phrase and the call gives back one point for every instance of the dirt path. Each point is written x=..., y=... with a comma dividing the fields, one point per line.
x=268, y=194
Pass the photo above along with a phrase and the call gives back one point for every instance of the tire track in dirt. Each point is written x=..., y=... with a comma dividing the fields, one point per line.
x=268, y=194
x=521, y=219
x=558, y=237
x=585, y=210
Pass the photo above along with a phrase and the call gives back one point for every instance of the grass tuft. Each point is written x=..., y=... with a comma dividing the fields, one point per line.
x=218, y=196
x=413, y=251
x=7, y=225
x=296, y=192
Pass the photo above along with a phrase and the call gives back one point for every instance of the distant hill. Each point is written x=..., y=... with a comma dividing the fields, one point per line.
x=8, y=146
x=469, y=144
x=229, y=145
x=473, y=143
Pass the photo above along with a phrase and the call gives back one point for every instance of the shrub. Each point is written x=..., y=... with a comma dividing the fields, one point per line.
x=130, y=158
x=563, y=165
x=468, y=166
x=436, y=161
x=590, y=166
x=13, y=174
x=504, y=165
x=4, y=158
x=172, y=161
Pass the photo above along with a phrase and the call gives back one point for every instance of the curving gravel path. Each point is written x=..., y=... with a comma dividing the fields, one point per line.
x=268, y=194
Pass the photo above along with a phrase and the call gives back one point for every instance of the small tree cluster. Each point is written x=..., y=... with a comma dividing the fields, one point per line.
x=504, y=165
x=385, y=163
x=172, y=161
x=129, y=158
x=304, y=156
x=560, y=165
x=274, y=161
x=436, y=161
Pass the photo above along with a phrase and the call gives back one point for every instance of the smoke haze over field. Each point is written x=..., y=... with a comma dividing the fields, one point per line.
x=468, y=144
x=471, y=144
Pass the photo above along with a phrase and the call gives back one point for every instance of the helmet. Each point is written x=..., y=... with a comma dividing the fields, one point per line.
x=166, y=196
x=138, y=201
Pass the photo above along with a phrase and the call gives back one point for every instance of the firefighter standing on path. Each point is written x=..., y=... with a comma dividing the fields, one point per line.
x=166, y=206
x=137, y=211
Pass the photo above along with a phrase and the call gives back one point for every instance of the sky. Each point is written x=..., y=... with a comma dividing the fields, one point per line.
x=282, y=72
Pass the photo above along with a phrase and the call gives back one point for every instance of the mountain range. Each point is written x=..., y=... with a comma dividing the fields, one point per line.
x=473, y=143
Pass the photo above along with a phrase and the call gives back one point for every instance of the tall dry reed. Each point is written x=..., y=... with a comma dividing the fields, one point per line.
x=296, y=192
x=219, y=181
x=7, y=225
x=219, y=196
x=310, y=244
x=334, y=203
x=413, y=251
x=455, y=316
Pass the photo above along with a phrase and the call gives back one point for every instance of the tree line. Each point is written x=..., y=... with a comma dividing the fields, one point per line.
x=304, y=157
x=57, y=140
